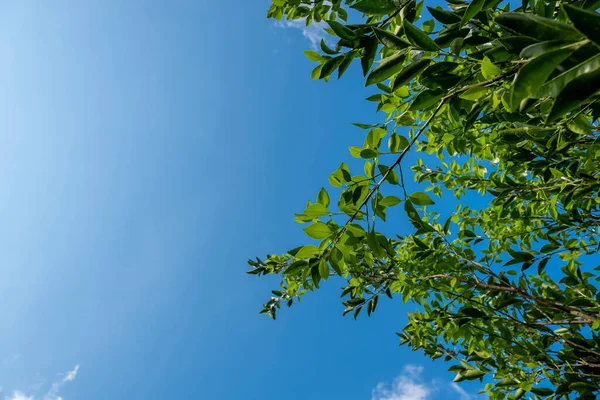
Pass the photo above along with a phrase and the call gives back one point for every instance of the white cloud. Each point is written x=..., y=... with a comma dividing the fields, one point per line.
x=314, y=32
x=407, y=386
x=19, y=396
x=410, y=385
x=56, y=386
x=461, y=392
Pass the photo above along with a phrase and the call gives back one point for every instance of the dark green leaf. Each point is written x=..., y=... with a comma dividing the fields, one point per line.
x=586, y=22
x=374, y=7
x=410, y=72
x=426, y=99
x=418, y=38
x=553, y=87
x=390, y=40
x=386, y=69
x=445, y=17
x=575, y=93
x=341, y=30
x=535, y=73
x=537, y=27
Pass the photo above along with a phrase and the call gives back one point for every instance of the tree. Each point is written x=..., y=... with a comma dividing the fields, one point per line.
x=498, y=104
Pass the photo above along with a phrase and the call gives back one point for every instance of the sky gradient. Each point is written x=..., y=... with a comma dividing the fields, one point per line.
x=147, y=150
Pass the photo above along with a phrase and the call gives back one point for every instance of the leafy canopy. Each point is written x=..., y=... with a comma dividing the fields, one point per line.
x=496, y=103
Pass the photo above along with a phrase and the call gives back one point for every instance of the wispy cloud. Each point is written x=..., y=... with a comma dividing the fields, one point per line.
x=410, y=385
x=56, y=386
x=314, y=32
x=464, y=395
x=52, y=393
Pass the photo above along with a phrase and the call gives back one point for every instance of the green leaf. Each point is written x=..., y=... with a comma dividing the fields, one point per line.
x=537, y=49
x=330, y=66
x=474, y=93
x=312, y=55
x=418, y=38
x=296, y=267
x=472, y=374
x=318, y=230
x=390, y=40
x=307, y=251
x=341, y=30
x=374, y=7
x=323, y=197
x=534, y=74
x=389, y=201
x=323, y=269
x=426, y=99
x=421, y=199
x=445, y=17
x=397, y=143
x=386, y=69
x=553, y=87
x=488, y=69
x=473, y=9
x=586, y=22
x=542, y=391
x=368, y=57
x=428, y=26
x=575, y=93
x=368, y=154
x=537, y=27
x=410, y=72
x=316, y=210
x=345, y=64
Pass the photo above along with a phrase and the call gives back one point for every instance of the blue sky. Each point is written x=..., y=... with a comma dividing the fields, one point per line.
x=146, y=151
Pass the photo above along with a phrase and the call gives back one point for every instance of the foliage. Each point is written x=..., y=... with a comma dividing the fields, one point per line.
x=501, y=104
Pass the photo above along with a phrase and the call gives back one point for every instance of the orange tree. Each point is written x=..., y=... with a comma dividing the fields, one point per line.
x=501, y=104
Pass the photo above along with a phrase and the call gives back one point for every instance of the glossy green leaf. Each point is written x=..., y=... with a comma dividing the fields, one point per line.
x=473, y=9
x=553, y=87
x=537, y=49
x=421, y=199
x=534, y=74
x=410, y=72
x=586, y=22
x=388, y=68
x=444, y=16
x=426, y=99
x=418, y=38
x=318, y=230
x=536, y=27
x=341, y=30
x=390, y=40
x=370, y=51
x=297, y=267
x=575, y=93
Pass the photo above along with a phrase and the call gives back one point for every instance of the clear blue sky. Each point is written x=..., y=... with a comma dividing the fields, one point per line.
x=147, y=149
